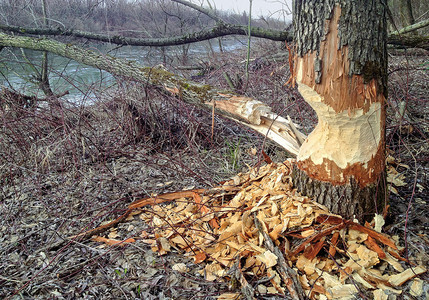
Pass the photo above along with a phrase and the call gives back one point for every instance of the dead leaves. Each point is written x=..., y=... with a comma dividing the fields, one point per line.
x=112, y=242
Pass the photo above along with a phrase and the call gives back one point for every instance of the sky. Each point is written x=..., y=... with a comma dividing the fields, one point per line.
x=280, y=9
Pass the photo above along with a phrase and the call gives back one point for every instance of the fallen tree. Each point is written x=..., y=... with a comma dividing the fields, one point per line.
x=247, y=111
x=219, y=30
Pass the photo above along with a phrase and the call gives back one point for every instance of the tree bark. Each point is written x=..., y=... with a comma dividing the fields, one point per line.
x=247, y=111
x=220, y=30
x=341, y=71
x=414, y=41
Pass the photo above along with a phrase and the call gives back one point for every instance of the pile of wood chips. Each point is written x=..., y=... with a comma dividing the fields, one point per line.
x=257, y=230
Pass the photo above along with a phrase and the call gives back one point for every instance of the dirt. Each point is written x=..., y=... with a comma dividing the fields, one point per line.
x=67, y=169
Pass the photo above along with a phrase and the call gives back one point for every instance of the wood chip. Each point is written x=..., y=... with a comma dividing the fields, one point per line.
x=416, y=288
x=268, y=258
x=342, y=291
x=371, y=244
x=401, y=278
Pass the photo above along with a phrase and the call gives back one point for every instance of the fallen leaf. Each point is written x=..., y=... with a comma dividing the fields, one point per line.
x=112, y=242
x=199, y=257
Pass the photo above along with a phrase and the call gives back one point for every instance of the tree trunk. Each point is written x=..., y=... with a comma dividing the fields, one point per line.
x=341, y=71
x=44, y=74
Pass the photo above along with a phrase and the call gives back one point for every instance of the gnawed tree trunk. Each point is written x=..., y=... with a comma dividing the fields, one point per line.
x=247, y=111
x=341, y=71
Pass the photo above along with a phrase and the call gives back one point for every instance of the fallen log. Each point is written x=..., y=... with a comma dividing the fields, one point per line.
x=247, y=111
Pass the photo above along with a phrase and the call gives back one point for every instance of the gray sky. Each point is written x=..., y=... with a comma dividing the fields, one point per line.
x=280, y=9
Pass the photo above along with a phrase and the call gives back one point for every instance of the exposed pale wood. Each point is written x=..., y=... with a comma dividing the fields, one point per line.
x=341, y=72
x=258, y=116
x=401, y=278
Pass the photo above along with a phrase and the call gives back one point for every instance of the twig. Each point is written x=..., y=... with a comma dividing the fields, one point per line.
x=412, y=27
x=246, y=289
x=208, y=12
x=288, y=275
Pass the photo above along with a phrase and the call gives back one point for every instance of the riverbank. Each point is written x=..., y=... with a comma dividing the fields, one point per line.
x=65, y=169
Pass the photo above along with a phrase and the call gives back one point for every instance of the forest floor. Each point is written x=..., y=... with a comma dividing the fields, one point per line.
x=66, y=168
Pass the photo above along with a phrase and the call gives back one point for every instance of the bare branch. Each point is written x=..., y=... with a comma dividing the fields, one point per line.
x=219, y=30
x=208, y=12
x=412, y=27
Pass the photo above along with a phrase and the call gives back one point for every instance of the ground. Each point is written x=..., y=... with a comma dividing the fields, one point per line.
x=65, y=169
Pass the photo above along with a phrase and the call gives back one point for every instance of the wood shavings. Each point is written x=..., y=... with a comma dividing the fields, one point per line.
x=401, y=278
x=268, y=258
x=331, y=254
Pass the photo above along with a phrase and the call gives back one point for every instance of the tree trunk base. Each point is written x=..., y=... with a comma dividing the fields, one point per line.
x=348, y=200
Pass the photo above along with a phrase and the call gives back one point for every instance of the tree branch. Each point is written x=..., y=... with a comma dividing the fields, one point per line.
x=208, y=12
x=412, y=27
x=247, y=111
x=221, y=29
x=414, y=41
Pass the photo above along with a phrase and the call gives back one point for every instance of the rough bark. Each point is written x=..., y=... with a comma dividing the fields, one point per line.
x=341, y=71
x=247, y=111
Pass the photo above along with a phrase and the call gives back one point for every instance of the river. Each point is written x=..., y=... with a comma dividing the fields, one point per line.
x=17, y=72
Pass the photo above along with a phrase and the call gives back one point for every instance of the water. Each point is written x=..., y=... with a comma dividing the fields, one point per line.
x=79, y=80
